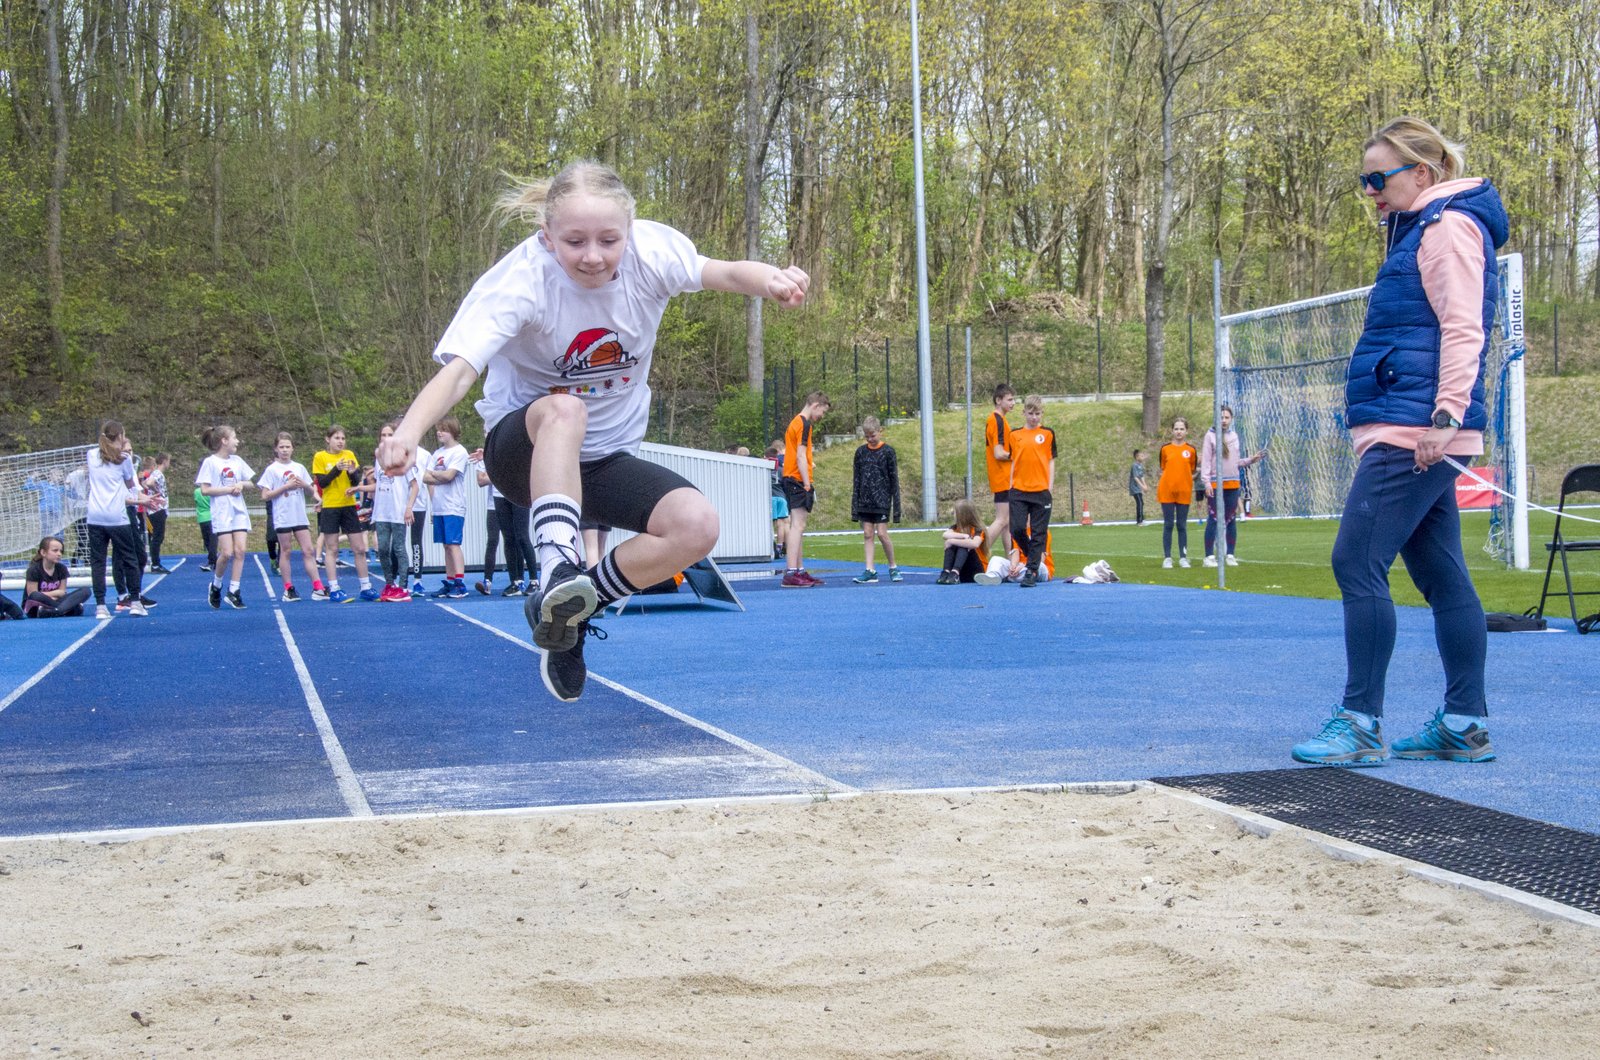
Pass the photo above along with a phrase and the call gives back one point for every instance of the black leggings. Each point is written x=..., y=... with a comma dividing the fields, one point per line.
x=68, y=606
x=1030, y=522
x=158, y=534
x=1230, y=505
x=964, y=561
x=210, y=541
x=136, y=534
x=124, y=554
x=510, y=525
x=420, y=520
x=1138, y=507
x=1170, y=514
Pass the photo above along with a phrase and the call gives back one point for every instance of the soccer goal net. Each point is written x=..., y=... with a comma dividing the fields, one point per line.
x=1282, y=368
x=43, y=494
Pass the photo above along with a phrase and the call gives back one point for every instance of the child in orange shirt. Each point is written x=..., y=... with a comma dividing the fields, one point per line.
x=799, y=487
x=1175, y=491
x=1033, y=481
x=997, y=457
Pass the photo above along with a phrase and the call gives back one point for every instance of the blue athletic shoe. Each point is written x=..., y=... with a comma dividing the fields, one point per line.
x=441, y=592
x=418, y=589
x=368, y=595
x=339, y=596
x=457, y=591
x=1344, y=741
x=1437, y=741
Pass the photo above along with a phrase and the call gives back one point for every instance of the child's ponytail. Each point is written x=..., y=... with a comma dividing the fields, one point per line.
x=213, y=437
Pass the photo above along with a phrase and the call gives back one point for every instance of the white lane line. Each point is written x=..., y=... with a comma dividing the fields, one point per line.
x=265, y=581
x=66, y=652
x=349, y=786
x=810, y=776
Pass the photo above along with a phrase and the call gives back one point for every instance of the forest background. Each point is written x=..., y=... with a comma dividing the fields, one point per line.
x=265, y=212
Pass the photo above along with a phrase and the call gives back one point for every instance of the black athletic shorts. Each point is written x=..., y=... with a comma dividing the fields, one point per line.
x=342, y=520
x=1003, y=497
x=619, y=490
x=799, y=498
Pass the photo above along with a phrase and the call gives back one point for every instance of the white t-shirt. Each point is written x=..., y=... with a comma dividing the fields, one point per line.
x=424, y=491
x=108, y=490
x=228, y=513
x=537, y=332
x=450, y=498
x=288, y=509
x=389, y=502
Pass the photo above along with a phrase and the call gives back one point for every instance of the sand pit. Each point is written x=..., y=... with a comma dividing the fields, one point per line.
x=988, y=925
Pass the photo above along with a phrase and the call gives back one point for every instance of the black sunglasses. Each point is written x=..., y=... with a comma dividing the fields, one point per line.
x=1375, y=179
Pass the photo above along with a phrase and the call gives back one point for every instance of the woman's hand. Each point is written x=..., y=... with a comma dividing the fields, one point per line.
x=1430, y=450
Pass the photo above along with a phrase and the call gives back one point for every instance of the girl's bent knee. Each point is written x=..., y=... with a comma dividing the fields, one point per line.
x=557, y=409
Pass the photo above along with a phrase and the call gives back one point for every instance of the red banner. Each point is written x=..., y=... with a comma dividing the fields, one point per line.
x=1471, y=493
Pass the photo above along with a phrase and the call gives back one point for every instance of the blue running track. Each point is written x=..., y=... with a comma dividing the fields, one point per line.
x=311, y=710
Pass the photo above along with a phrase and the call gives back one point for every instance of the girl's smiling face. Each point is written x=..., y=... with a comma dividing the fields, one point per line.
x=588, y=235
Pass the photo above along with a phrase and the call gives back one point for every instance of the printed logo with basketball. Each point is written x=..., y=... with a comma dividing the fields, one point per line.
x=595, y=352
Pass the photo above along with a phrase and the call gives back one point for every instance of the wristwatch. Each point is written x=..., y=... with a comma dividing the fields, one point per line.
x=1443, y=419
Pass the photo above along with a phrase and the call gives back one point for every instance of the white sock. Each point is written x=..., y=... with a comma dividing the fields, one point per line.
x=366, y=583
x=216, y=580
x=333, y=586
x=555, y=533
x=233, y=586
x=1366, y=721
x=1460, y=722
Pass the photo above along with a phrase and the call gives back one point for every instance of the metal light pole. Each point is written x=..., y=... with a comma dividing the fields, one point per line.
x=930, y=487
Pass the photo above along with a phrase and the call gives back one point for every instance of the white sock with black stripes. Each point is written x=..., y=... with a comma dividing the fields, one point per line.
x=555, y=533
x=610, y=584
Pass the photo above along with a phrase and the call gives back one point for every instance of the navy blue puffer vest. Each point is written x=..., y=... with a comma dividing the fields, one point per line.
x=1394, y=369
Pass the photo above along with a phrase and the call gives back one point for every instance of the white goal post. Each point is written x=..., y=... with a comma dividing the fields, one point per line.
x=1282, y=368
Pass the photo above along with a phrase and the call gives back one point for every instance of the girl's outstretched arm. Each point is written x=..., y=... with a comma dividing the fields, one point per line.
x=441, y=394
x=756, y=279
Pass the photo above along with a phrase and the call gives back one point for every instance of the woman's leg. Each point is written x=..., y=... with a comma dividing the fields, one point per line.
x=968, y=566
x=1211, y=524
x=491, y=543
x=1183, y=529
x=952, y=557
x=158, y=535
x=99, y=537
x=1169, y=513
x=1434, y=559
x=1230, y=512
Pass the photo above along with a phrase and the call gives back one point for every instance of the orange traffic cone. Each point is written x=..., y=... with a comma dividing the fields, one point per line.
x=1086, y=520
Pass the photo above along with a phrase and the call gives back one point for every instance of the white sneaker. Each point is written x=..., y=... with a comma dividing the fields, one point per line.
x=1233, y=561
x=136, y=609
x=1211, y=561
x=1166, y=564
x=101, y=612
x=1184, y=562
x=985, y=578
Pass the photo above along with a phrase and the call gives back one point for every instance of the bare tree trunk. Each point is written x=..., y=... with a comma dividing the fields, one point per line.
x=1155, y=277
x=55, y=282
x=753, y=126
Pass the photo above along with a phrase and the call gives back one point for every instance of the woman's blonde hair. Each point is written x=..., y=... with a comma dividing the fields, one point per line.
x=534, y=202
x=1416, y=141
x=111, y=435
x=966, y=514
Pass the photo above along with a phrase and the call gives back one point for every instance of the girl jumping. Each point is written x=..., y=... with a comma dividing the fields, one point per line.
x=565, y=327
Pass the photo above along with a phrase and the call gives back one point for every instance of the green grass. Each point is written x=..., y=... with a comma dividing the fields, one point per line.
x=1285, y=557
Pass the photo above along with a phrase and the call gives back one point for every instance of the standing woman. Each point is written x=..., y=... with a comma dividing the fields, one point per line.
x=1230, y=467
x=1413, y=396
x=112, y=489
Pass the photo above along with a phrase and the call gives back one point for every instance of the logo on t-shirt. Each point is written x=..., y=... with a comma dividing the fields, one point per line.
x=595, y=352
x=226, y=474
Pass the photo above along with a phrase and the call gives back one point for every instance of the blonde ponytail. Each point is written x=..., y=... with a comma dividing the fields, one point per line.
x=1417, y=142
x=531, y=203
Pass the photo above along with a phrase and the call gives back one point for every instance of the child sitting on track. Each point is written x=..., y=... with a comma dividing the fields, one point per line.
x=965, y=556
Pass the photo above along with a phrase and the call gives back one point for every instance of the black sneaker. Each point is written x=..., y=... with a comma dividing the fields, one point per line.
x=947, y=577
x=514, y=589
x=146, y=601
x=214, y=597
x=564, y=672
x=158, y=569
x=554, y=614
x=206, y=567
x=234, y=600
x=290, y=596
x=1030, y=578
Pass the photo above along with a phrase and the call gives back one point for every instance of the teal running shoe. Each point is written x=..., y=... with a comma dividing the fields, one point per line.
x=1344, y=741
x=1438, y=742
x=866, y=577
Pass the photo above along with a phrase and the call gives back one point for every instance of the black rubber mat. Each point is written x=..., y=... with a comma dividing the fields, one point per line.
x=1561, y=864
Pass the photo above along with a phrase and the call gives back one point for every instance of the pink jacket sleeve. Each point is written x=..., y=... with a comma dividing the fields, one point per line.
x=1451, y=262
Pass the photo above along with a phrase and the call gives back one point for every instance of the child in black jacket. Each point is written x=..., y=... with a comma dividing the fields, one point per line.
x=874, y=495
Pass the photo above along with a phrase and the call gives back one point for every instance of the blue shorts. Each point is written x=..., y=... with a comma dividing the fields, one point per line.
x=780, y=507
x=447, y=529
